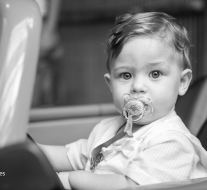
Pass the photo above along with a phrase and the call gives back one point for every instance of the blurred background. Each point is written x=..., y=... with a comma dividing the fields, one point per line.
x=70, y=95
x=73, y=60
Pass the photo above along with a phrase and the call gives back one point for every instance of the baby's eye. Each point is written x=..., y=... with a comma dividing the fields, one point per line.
x=155, y=74
x=126, y=76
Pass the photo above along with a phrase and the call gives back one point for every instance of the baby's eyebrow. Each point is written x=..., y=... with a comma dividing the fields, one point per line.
x=124, y=67
x=160, y=64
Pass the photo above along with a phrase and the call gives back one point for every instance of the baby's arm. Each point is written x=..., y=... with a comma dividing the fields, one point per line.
x=87, y=180
x=57, y=156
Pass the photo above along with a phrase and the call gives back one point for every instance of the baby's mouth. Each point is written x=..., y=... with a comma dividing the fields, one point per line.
x=136, y=108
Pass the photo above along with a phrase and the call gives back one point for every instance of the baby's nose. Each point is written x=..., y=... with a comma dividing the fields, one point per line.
x=139, y=85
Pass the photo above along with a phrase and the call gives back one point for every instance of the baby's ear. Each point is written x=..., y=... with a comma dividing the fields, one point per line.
x=186, y=77
x=107, y=78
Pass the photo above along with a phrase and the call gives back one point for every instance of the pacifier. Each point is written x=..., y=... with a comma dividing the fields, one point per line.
x=135, y=109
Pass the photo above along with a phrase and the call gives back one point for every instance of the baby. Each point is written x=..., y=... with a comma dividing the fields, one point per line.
x=148, y=67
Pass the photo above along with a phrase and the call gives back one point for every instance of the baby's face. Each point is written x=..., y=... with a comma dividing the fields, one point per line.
x=146, y=67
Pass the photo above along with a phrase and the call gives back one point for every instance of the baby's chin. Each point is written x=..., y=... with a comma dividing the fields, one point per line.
x=146, y=121
x=143, y=123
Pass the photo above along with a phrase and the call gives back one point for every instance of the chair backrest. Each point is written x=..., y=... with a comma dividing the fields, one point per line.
x=202, y=135
x=192, y=107
x=20, y=31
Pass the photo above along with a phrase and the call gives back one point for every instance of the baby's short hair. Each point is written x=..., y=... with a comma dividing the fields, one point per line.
x=145, y=24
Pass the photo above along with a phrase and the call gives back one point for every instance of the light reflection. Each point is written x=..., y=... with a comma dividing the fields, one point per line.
x=7, y=6
x=11, y=77
x=30, y=22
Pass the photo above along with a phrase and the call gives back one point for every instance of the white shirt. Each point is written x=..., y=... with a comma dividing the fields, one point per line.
x=159, y=152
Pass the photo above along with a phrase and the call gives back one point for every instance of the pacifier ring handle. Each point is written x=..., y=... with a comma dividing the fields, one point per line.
x=134, y=108
x=126, y=115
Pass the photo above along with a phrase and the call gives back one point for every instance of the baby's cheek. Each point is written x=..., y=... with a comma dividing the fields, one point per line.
x=117, y=105
x=164, y=105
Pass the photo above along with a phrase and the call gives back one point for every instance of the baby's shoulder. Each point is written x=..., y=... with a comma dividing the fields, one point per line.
x=169, y=125
x=106, y=123
x=168, y=131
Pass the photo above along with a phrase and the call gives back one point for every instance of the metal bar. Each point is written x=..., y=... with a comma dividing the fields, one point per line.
x=56, y=113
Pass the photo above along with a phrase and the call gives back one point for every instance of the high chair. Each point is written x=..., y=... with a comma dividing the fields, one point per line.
x=22, y=164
